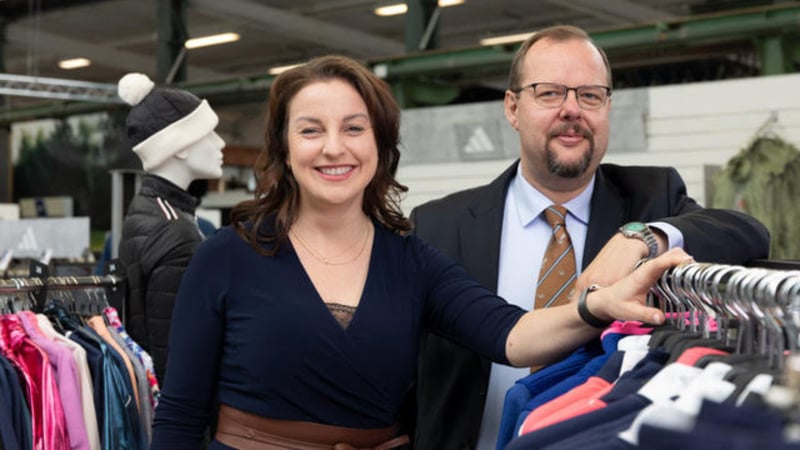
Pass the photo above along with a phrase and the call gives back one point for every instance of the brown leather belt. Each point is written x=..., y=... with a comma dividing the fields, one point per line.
x=245, y=431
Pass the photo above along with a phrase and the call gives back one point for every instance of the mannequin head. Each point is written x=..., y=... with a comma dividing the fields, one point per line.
x=172, y=131
x=200, y=160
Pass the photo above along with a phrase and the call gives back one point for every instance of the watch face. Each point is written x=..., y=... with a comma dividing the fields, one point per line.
x=635, y=226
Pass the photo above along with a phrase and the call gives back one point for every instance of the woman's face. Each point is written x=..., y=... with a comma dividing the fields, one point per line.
x=332, y=149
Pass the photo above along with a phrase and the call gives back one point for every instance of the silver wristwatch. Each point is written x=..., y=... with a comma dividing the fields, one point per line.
x=638, y=230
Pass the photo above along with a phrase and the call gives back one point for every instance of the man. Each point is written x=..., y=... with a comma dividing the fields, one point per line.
x=558, y=101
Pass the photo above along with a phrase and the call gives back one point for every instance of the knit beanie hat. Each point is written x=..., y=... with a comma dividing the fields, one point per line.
x=163, y=121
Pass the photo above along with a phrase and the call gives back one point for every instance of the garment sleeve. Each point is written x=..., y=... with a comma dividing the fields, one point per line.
x=708, y=233
x=459, y=308
x=674, y=235
x=195, y=344
x=167, y=255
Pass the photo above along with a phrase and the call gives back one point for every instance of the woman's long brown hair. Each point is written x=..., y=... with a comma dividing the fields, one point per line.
x=277, y=196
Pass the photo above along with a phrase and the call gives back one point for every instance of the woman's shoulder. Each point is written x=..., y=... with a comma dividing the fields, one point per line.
x=237, y=238
x=222, y=237
x=223, y=233
x=408, y=246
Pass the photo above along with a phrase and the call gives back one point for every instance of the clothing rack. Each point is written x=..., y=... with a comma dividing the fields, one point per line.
x=119, y=378
x=82, y=294
x=722, y=372
x=756, y=309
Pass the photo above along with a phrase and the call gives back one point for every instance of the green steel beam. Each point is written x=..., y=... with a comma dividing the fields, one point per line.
x=414, y=93
x=421, y=25
x=792, y=52
x=772, y=55
x=742, y=25
x=733, y=27
x=171, y=35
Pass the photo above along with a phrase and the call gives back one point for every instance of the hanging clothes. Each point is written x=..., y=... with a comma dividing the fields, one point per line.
x=112, y=317
x=53, y=362
x=48, y=424
x=119, y=423
x=15, y=431
x=67, y=382
x=690, y=383
x=78, y=353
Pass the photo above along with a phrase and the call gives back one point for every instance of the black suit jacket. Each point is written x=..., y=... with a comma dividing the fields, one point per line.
x=452, y=380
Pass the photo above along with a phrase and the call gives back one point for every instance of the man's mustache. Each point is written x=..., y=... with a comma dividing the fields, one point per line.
x=574, y=127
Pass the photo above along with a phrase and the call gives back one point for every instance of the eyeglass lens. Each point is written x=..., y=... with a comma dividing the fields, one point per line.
x=551, y=95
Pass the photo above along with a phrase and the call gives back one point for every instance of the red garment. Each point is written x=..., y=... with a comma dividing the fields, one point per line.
x=579, y=400
x=48, y=425
x=692, y=354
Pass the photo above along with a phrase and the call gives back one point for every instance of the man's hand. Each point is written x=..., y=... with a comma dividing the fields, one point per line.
x=615, y=260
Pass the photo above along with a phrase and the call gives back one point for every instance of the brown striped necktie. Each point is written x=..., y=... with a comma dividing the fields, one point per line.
x=557, y=275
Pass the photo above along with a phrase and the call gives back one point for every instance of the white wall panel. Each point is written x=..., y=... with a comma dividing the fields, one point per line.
x=691, y=127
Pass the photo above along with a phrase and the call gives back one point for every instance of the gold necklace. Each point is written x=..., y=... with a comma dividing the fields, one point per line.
x=325, y=260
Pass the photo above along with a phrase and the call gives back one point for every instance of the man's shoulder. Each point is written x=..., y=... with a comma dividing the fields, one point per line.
x=634, y=171
x=454, y=201
x=486, y=195
x=628, y=177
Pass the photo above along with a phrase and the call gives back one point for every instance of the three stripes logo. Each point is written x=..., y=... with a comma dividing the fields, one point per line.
x=479, y=142
x=28, y=241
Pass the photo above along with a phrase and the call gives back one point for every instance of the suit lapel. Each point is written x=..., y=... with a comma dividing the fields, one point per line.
x=481, y=230
x=609, y=210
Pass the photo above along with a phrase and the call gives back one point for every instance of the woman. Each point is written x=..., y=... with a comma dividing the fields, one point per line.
x=303, y=318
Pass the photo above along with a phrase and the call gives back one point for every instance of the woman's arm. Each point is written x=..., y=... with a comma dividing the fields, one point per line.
x=543, y=336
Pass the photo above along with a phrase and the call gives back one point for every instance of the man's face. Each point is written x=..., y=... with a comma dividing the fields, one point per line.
x=566, y=142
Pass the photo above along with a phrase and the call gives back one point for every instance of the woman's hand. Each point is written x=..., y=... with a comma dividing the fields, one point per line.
x=545, y=335
x=625, y=299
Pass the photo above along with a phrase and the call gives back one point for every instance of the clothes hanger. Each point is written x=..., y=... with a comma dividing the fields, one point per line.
x=766, y=295
x=788, y=296
x=702, y=286
x=689, y=284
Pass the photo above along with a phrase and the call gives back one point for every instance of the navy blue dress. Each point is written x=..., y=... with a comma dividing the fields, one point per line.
x=253, y=330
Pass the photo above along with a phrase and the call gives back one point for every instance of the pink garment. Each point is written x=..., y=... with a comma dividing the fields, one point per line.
x=67, y=382
x=84, y=376
x=628, y=327
x=690, y=317
x=48, y=424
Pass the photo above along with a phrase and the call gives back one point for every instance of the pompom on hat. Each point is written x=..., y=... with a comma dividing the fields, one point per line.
x=163, y=121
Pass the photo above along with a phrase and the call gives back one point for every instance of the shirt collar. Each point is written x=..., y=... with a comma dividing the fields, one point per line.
x=530, y=202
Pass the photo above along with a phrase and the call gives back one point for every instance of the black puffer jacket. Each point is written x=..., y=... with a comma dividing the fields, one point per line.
x=159, y=237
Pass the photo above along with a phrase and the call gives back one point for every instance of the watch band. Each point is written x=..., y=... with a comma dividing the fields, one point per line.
x=586, y=315
x=639, y=230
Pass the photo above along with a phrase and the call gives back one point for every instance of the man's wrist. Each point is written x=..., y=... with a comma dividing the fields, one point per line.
x=640, y=231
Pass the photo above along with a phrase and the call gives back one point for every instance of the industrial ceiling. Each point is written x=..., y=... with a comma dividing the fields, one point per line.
x=649, y=41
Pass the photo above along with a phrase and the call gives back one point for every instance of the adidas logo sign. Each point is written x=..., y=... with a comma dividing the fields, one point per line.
x=479, y=142
x=28, y=241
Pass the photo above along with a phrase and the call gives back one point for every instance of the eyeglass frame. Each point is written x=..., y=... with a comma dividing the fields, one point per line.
x=532, y=86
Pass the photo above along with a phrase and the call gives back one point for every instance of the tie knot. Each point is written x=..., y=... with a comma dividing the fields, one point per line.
x=555, y=215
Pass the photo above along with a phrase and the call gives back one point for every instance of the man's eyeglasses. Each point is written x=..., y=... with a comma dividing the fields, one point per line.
x=553, y=95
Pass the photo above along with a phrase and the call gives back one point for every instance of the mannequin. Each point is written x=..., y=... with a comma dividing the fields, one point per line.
x=172, y=132
x=201, y=160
